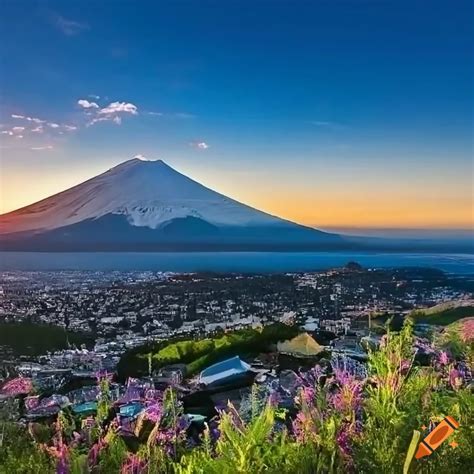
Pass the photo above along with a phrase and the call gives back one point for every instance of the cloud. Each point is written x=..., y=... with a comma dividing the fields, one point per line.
x=41, y=148
x=38, y=129
x=119, y=107
x=99, y=119
x=69, y=27
x=111, y=113
x=157, y=114
x=18, y=129
x=199, y=145
x=7, y=132
x=29, y=119
x=93, y=96
x=53, y=125
x=183, y=115
x=69, y=128
x=85, y=104
x=328, y=124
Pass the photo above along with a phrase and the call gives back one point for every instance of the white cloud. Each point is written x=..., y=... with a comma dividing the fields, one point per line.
x=7, y=132
x=200, y=145
x=99, y=119
x=30, y=119
x=40, y=148
x=69, y=27
x=18, y=129
x=38, y=129
x=117, y=120
x=70, y=128
x=119, y=107
x=85, y=104
x=53, y=125
x=157, y=114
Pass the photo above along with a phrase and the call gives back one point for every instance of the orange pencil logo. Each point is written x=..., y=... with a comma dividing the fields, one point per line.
x=431, y=442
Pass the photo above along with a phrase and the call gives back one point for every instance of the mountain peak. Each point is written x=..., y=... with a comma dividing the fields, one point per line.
x=142, y=198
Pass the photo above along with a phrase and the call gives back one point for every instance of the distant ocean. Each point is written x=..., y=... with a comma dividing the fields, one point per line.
x=245, y=262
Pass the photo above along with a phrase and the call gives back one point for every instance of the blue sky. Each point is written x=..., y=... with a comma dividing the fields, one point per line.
x=332, y=113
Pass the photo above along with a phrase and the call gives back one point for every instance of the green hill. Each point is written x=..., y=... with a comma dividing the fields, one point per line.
x=198, y=354
x=442, y=315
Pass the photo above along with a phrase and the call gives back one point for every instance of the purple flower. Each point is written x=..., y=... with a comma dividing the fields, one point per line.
x=103, y=375
x=154, y=413
x=343, y=367
x=274, y=399
x=443, y=358
x=133, y=465
x=95, y=451
x=455, y=379
x=345, y=438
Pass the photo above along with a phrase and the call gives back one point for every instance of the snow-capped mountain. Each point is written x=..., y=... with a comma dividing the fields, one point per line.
x=146, y=204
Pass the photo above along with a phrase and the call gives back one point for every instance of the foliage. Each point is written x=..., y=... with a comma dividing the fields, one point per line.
x=35, y=339
x=349, y=418
x=441, y=315
x=198, y=354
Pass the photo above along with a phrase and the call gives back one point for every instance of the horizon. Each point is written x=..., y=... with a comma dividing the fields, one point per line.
x=332, y=115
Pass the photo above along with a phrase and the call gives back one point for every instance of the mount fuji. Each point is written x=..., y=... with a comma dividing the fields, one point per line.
x=143, y=205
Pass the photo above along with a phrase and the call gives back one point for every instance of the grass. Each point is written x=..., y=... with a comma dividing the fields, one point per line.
x=198, y=354
x=356, y=418
x=442, y=316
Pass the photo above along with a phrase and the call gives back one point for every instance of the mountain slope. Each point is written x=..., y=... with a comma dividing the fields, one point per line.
x=147, y=204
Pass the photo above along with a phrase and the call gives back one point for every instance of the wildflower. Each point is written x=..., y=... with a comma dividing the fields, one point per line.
x=103, y=375
x=443, y=358
x=348, y=397
x=17, y=386
x=455, y=379
x=60, y=451
x=307, y=394
x=95, y=451
x=343, y=366
x=302, y=427
x=467, y=330
x=154, y=412
x=274, y=399
x=133, y=465
x=405, y=365
x=311, y=377
x=345, y=438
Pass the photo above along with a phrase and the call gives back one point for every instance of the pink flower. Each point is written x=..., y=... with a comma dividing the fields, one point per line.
x=467, y=330
x=443, y=358
x=95, y=451
x=455, y=379
x=17, y=386
x=133, y=465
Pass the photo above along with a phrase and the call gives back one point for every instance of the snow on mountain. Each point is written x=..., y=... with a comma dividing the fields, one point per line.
x=148, y=193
